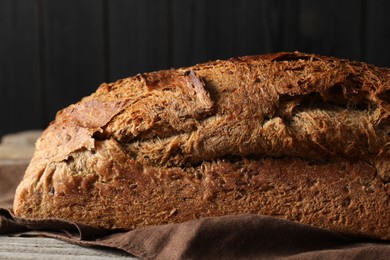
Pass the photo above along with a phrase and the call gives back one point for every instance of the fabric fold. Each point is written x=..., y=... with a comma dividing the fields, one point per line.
x=227, y=237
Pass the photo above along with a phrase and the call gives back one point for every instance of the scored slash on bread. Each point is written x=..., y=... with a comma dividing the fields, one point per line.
x=292, y=135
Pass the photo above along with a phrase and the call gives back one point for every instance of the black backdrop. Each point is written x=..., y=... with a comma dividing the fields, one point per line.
x=53, y=52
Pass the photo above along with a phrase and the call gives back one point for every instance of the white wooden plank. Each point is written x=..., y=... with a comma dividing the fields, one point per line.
x=49, y=248
x=18, y=148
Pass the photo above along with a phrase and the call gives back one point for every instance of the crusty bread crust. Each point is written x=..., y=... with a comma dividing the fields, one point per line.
x=292, y=135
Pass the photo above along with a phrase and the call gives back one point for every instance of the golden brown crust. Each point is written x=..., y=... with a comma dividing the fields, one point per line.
x=292, y=135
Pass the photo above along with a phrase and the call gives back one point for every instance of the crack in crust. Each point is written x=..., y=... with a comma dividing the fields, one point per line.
x=197, y=126
x=328, y=109
x=275, y=105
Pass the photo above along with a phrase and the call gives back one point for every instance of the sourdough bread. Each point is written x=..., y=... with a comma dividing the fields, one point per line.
x=292, y=135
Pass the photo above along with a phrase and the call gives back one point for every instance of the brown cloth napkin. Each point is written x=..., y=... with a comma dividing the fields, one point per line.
x=228, y=237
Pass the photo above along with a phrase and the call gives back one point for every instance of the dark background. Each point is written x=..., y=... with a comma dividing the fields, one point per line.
x=53, y=52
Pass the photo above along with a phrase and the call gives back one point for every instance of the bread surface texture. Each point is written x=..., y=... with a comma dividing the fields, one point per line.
x=291, y=135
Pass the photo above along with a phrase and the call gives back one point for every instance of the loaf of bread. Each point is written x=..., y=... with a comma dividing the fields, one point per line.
x=291, y=135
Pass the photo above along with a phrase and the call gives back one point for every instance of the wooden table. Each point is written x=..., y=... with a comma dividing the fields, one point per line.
x=16, y=149
x=50, y=248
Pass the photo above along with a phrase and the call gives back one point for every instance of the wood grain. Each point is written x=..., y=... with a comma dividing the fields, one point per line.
x=54, y=52
x=332, y=28
x=15, y=151
x=73, y=56
x=20, y=82
x=49, y=248
x=139, y=37
x=377, y=36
